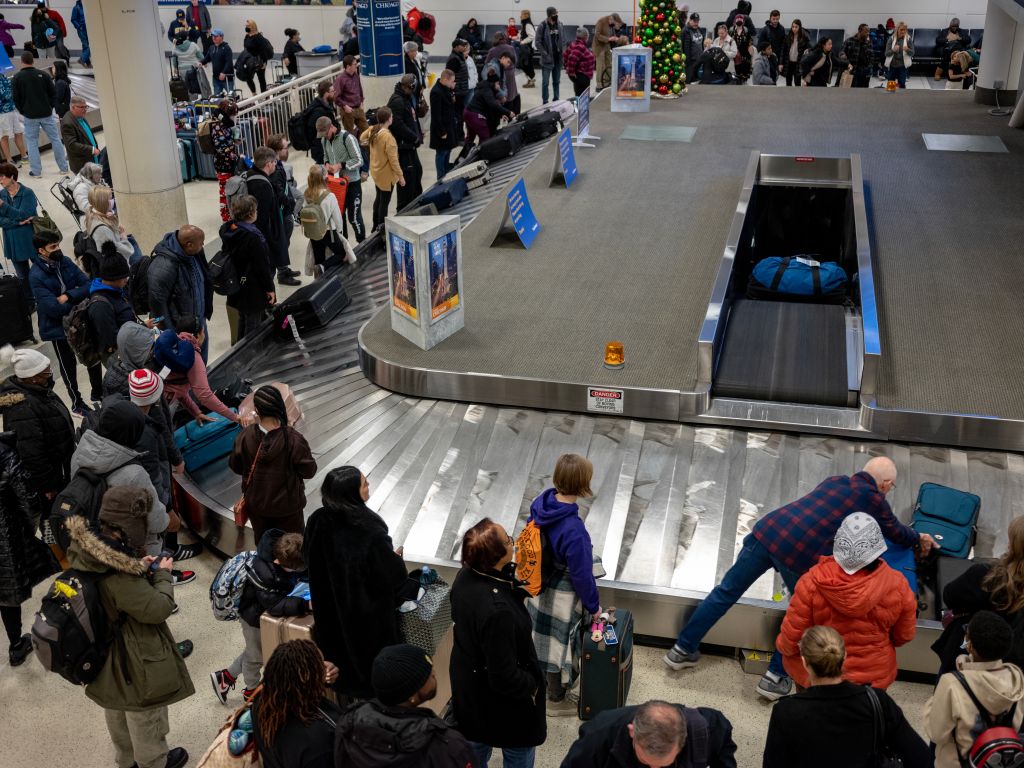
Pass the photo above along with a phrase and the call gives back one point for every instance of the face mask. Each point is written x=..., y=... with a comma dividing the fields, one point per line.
x=56, y=255
x=248, y=30
x=50, y=383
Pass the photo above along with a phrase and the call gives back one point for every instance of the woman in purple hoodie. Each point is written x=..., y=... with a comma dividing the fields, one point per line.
x=572, y=590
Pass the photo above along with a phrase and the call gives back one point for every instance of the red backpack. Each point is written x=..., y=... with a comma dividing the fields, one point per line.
x=999, y=745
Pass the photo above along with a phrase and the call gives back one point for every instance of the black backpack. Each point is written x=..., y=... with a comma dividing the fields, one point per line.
x=82, y=497
x=224, y=275
x=86, y=252
x=81, y=333
x=246, y=66
x=138, y=285
x=297, y=134
x=72, y=633
x=717, y=59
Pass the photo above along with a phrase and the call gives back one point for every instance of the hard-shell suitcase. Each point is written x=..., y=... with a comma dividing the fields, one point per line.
x=606, y=670
x=476, y=174
x=186, y=157
x=15, y=318
x=202, y=444
x=445, y=194
x=949, y=516
x=311, y=307
x=504, y=144
x=564, y=108
x=202, y=163
x=541, y=127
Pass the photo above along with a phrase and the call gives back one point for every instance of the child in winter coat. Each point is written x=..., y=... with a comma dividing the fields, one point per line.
x=952, y=718
x=271, y=578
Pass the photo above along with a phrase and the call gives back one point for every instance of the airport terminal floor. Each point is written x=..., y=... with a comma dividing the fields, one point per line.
x=434, y=462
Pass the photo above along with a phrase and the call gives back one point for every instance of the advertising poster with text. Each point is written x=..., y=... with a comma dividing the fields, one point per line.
x=444, y=275
x=403, y=276
x=632, y=74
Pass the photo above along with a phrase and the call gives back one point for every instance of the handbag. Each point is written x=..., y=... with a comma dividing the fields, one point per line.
x=219, y=753
x=42, y=223
x=846, y=79
x=239, y=510
x=427, y=624
x=883, y=757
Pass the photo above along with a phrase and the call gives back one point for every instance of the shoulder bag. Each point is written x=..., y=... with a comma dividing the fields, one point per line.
x=42, y=222
x=239, y=510
x=883, y=757
x=846, y=79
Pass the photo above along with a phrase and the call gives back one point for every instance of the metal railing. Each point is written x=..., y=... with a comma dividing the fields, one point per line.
x=267, y=114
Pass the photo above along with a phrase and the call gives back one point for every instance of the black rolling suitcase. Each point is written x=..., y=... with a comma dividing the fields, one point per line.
x=311, y=307
x=179, y=88
x=606, y=670
x=503, y=144
x=445, y=194
x=15, y=318
x=540, y=127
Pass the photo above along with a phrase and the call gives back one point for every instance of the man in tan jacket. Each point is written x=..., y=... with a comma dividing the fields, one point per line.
x=606, y=38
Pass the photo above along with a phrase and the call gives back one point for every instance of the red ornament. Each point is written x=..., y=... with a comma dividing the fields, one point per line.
x=636, y=38
x=660, y=17
x=663, y=89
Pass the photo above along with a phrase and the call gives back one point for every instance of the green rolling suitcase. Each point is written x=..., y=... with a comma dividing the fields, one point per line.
x=606, y=670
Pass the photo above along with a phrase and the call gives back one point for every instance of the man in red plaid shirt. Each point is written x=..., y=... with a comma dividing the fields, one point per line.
x=790, y=539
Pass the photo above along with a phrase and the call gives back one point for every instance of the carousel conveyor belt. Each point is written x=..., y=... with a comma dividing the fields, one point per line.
x=785, y=352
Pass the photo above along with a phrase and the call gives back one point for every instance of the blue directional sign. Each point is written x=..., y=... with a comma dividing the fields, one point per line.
x=567, y=156
x=523, y=219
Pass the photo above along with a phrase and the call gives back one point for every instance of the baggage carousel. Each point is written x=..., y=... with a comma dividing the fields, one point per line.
x=675, y=494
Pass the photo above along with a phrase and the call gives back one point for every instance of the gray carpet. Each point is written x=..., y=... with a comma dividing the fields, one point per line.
x=630, y=252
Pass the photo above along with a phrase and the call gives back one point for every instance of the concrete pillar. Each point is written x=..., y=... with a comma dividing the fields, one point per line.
x=138, y=128
x=1001, y=56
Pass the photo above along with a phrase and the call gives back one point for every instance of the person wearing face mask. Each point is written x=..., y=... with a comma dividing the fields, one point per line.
x=43, y=431
x=58, y=285
x=356, y=579
x=551, y=43
x=274, y=460
x=497, y=680
x=949, y=41
x=259, y=51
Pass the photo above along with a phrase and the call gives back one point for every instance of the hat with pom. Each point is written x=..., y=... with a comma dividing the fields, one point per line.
x=144, y=386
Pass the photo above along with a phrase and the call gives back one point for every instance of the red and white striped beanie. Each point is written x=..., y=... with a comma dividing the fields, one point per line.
x=144, y=386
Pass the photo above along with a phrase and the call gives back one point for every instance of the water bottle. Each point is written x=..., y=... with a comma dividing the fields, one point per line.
x=427, y=576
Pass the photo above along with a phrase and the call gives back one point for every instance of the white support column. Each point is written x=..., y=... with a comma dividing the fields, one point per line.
x=138, y=128
x=1001, y=56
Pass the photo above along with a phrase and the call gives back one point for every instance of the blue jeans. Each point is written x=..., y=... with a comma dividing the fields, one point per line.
x=753, y=562
x=899, y=74
x=52, y=129
x=441, y=162
x=223, y=86
x=554, y=74
x=83, y=35
x=519, y=757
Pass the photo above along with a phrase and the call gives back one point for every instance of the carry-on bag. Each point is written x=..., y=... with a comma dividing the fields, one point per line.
x=203, y=444
x=247, y=410
x=606, y=669
x=15, y=318
x=949, y=516
x=186, y=159
x=564, y=108
x=445, y=194
x=543, y=126
x=311, y=307
x=425, y=623
x=503, y=144
x=797, y=278
x=902, y=559
x=476, y=174
x=178, y=86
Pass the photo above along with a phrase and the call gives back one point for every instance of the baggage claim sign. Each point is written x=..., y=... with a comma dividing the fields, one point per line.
x=380, y=36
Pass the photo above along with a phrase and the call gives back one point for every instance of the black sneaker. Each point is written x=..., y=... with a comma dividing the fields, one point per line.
x=283, y=278
x=185, y=648
x=222, y=683
x=182, y=577
x=187, y=551
x=20, y=651
x=176, y=758
x=81, y=409
x=293, y=272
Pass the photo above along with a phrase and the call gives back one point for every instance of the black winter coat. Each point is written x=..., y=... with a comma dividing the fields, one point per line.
x=170, y=283
x=405, y=127
x=837, y=721
x=251, y=256
x=24, y=559
x=268, y=209
x=445, y=118
x=457, y=63
x=372, y=735
x=774, y=35
x=317, y=109
x=605, y=741
x=354, y=578
x=257, y=45
x=306, y=745
x=497, y=682
x=44, y=434
x=268, y=585
x=107, y=315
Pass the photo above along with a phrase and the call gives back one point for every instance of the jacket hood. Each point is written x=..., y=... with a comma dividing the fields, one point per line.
x=191, y=340
x=171, y=247
x=546, y=509
x=265, y=549
x=183, y=46
x=91, y=553
x=10, y=397
x=389, y=735
x=14, y=391
x=854, y=595
x=997, y=684
x=100, y=454
x=98, y=285
x=233, y=235
x=135, y=344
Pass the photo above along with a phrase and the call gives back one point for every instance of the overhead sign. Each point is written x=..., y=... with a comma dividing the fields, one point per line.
x=380, y=37
x=605, y=400
x=521, y=212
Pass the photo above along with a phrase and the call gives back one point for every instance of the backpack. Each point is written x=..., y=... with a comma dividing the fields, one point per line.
x=71, y=633
x=717, y=59
x=246, y=66
x=238, y=185
x=204, y=137
x=313, y=219
x=297, y=133
x=535, y=559
x=224, y=276
x=999, y=744
x=87, y=253
x=81, y=334
x=138, y=284
x=229, y=583
x=83, y=497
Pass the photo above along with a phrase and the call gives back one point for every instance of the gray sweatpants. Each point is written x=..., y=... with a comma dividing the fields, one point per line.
x=250, y=660
x=139, y=737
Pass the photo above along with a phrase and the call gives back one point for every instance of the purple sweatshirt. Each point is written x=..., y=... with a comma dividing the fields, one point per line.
x=570, y=543
x=5, y=35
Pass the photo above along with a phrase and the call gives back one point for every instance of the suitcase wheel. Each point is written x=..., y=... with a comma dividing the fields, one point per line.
x=586, y=657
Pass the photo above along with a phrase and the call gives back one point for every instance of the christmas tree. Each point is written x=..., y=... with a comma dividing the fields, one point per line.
x=659, y=29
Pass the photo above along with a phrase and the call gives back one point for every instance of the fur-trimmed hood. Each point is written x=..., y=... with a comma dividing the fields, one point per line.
x=7, y=399
x=89, y=552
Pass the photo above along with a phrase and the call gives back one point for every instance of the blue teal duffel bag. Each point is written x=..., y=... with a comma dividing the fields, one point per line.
x=202, y=444
x=949, y=515
x=797, y=278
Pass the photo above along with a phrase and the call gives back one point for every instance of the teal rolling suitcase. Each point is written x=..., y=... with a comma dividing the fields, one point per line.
x=949, y=516
x=204, y=444
x=606, y=670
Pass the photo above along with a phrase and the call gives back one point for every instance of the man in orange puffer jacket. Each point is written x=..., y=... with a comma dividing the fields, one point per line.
x=855, y=592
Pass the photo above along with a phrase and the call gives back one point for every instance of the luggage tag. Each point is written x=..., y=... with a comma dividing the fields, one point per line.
x=290, y=323
x=597, y=631
x=610, y=637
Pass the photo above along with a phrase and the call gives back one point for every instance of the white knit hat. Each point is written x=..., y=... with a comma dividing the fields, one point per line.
x=27, y=362
x=859, y=542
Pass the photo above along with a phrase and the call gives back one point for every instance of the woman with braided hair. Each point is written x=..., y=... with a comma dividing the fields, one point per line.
x=292, y=721
x=273, y=460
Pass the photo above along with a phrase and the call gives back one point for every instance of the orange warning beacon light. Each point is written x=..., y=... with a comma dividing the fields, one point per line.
x=614, y=355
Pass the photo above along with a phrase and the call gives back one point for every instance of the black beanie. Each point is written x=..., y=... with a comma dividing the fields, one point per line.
x=112, y=265
x=121, y=421
x=398, y=672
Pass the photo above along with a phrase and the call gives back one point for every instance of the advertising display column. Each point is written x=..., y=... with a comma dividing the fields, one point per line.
x=631, y=79
x=425, y=277
x=381, y=60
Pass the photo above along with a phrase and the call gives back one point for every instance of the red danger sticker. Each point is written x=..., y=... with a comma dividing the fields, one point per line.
x=605, y=400
x=805, y=159
x=614, y=393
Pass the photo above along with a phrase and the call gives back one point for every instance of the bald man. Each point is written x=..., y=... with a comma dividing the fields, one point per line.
x=790, y=540
x=178, y=280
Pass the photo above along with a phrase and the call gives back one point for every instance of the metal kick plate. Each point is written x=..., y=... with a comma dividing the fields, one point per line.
x=963, y=142
x=659, y=133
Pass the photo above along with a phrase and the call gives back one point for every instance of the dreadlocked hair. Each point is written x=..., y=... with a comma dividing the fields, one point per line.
x=268, y=401
x=293, y=686
x=1005, y=580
